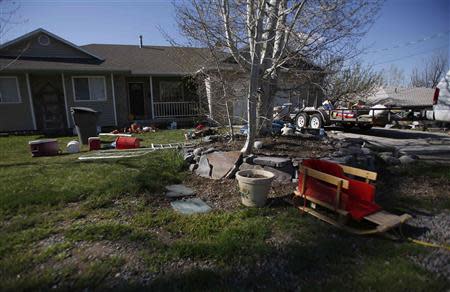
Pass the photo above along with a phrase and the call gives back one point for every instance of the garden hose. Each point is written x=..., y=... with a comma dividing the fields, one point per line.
x=423, y=243
x=428, y=244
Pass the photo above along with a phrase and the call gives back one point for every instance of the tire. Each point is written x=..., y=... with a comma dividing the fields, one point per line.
x=301, y=121
x=315, y=122
x=365, y=126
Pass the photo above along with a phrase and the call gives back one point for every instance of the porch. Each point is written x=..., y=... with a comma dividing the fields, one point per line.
x=162, y=98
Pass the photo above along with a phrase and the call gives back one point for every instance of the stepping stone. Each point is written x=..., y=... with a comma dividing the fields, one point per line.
x=175, y=191
x=271, y=161
x=190, y=206
x=222, y=162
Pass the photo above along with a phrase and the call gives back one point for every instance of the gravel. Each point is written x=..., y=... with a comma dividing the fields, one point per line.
x=437, y=231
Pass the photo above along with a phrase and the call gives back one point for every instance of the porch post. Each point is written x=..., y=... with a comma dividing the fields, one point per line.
x=65, y=99
x=114, y=98
x=33, y=117
x=151, y=97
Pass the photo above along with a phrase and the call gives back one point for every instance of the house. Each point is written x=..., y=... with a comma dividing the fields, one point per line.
x=43, y=75
x=401, y=96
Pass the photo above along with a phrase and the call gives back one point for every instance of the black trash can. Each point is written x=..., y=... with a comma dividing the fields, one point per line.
x=85, y=120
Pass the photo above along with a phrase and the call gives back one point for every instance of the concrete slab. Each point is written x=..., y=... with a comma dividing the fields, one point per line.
x=272, y=161
x=222, y=162
x=190, y=206
x=203, y=169
x=176, y=191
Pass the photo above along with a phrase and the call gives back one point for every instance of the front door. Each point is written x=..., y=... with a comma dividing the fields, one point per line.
x=51, y=108
x=136, y=93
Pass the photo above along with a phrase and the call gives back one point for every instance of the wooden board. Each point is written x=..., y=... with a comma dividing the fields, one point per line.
x=387, y=219
x=337, y=224
x=324, y=176
x=321, y=203
x=359, y=172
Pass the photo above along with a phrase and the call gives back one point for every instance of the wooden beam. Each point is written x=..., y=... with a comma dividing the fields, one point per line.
x=360, y=172
x=323, y=204
x=334, y=180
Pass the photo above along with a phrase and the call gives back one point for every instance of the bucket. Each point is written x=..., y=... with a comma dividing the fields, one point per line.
x=94, y=143
x=44, y=147
x=127, y=142
x=254, y=185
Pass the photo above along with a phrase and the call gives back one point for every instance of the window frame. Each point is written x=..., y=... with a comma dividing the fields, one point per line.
x=18, y=91
x=161, y=82
x=89, y=100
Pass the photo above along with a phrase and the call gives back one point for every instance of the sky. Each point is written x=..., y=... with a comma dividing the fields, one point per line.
x=404, y=34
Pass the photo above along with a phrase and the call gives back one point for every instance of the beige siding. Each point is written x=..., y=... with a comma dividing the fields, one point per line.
x=290, y=89
x=17, y=117
x=105, y=107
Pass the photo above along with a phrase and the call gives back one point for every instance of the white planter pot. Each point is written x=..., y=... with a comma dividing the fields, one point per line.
x=254, y=185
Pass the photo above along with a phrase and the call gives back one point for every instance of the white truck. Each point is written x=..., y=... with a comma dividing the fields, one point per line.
x=441, y=101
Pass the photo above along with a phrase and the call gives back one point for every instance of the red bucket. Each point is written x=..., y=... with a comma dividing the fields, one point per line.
x=127, y=142
x=94, y=143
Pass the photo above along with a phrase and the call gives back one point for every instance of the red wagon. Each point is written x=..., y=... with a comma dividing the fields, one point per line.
x=327, y=184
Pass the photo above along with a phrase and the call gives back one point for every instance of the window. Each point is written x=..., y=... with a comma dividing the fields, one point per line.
x=9, y=90
x=171, y=91
x=89, y=88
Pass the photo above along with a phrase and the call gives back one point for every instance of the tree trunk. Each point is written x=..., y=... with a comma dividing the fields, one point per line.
x=251, y=110
x=230, y=124
x=265, y=108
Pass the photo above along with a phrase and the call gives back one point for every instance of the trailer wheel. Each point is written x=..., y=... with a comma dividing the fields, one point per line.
x=302, y=120
x=316, y=121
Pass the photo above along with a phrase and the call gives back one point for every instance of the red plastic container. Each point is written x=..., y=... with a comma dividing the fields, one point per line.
x=94, y=143
x=44, y=147
x=127, y=142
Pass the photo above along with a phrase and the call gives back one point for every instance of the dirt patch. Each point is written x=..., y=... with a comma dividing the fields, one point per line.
x=219, y=194
x=295, y=146
x=223, y=194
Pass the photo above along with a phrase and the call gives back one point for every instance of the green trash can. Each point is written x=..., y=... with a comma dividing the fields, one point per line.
x=85, y=120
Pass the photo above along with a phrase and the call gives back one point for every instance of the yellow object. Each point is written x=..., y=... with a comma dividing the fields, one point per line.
x=428, y=244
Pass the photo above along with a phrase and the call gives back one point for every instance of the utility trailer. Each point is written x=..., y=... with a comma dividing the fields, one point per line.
x=364, y=118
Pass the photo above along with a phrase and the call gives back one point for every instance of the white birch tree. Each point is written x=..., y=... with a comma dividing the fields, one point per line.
x=267, y=37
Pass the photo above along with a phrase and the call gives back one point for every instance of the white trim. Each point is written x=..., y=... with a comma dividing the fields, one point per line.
x=151, y=97
x=89, y=100
x=114, y=98
x=33, y=117
x=18, y=91
x=41, y=30
x=65, y=99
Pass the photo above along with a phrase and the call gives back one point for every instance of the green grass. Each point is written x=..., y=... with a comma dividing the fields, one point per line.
x=53, y=209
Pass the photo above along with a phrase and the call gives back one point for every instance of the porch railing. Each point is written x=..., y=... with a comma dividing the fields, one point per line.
x=176, y=109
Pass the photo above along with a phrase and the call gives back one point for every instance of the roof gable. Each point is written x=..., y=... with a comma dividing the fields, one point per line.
x=41, y=44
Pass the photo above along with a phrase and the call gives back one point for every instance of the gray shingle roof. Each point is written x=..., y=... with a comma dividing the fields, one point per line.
x=402, y=96
x=156, y=60
x=151, y=59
